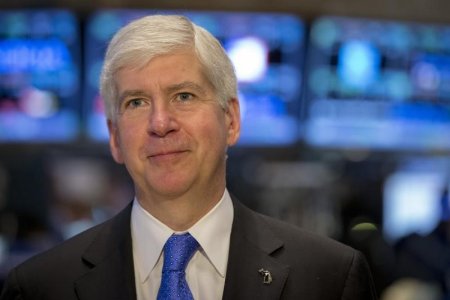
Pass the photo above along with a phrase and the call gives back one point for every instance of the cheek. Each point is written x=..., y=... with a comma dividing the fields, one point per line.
x=217, y=133
x=114, y=143
x=129, y=141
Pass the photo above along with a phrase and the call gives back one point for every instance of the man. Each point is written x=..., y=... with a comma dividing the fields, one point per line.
x=171, y=101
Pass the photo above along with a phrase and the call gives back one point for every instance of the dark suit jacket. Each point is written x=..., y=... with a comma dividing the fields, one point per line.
x=98, y=264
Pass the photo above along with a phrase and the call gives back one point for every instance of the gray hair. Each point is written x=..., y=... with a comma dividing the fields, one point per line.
x=137, y=43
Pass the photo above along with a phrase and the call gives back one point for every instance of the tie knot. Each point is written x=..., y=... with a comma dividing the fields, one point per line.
x=178, y=250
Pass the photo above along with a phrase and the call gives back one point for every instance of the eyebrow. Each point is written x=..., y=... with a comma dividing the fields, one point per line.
x=131, y=93
x=185, y=85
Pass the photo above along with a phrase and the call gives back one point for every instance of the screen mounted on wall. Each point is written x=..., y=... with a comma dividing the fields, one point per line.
x=39, y=76
x=378, y=84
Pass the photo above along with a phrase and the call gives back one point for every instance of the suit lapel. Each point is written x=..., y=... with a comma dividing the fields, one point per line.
x=251, y=247
x=110, y=257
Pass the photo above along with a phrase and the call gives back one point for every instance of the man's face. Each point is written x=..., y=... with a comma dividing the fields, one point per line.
x=171, y=132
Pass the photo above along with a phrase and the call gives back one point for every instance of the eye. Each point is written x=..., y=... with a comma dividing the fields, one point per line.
x=183, y=97
x=135, y=103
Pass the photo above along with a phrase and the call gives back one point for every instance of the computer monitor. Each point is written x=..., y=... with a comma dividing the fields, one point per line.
x=39, y=76
x=378, y=84
x=267, y=50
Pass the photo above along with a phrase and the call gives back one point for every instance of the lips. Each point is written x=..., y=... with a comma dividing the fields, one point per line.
x=164, y=148
x=166, y=153
x=166, y=158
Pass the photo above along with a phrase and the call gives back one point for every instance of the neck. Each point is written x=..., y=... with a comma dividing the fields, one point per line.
x=180, y=213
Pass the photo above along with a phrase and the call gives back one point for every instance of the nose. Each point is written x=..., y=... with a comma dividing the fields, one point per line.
x=162, y=119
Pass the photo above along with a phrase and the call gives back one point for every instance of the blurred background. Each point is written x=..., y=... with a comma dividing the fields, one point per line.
x=346, y=124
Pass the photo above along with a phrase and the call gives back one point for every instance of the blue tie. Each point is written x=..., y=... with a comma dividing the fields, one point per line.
x=178, y=250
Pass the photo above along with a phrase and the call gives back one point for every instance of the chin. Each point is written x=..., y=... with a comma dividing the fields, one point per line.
x=172, y=190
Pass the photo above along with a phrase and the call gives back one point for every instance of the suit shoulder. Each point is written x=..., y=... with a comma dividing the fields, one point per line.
x=305, y=241
x=66, y=250
x=294, y=238
x=69, y=252
x=51, y=274
x=321, y=260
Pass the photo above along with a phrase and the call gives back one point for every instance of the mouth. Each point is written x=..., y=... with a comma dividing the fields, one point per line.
x=166, y=155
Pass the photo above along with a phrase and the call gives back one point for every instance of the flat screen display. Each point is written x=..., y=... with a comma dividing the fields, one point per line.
x=378, y=84
x=266, y=50
x=39, y=76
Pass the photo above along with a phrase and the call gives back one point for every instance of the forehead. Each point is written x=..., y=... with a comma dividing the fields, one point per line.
x=167, y=68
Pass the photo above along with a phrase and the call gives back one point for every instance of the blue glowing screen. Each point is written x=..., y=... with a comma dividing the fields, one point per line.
x=39, y=76
x=378, y=85
x=266, y=50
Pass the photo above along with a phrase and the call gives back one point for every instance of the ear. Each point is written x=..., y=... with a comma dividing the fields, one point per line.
x=233, y=121
x=114, y=142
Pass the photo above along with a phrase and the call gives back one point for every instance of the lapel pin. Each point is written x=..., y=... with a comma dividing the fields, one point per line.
x=267, y=277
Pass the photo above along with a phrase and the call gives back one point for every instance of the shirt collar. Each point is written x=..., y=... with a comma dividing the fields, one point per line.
x=212, y=232
x=148, y=236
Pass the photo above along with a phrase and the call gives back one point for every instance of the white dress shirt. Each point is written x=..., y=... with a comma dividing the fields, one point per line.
x=206, y=270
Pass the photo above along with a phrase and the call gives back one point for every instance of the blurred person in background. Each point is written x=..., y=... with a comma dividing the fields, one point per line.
x=171, y=100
